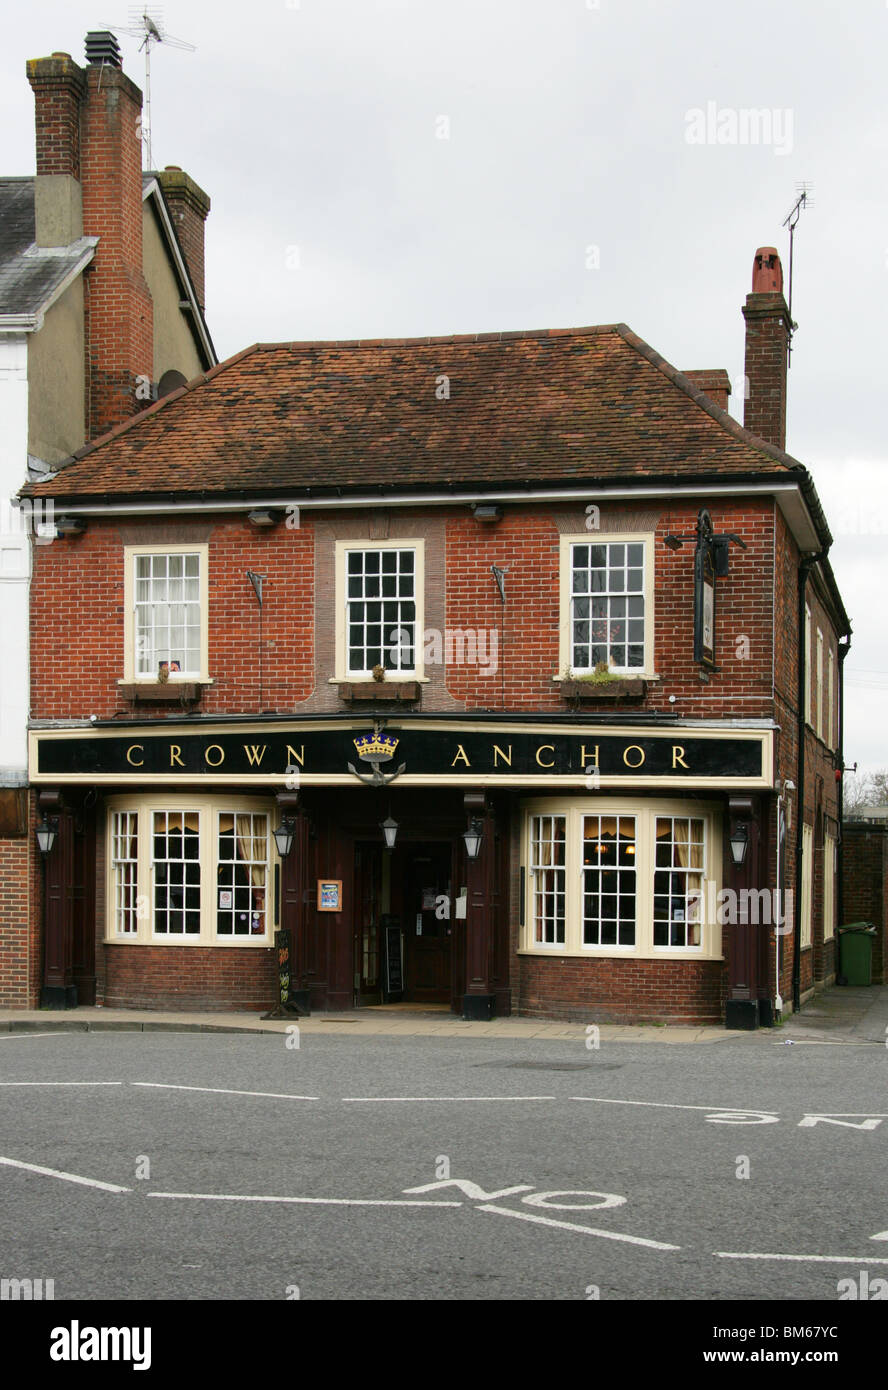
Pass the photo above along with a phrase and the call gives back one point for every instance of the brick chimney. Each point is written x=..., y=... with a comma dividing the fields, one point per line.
x=88, y=124
x=58, y=85
x=715, y=383
x=188, y=205
x=767, y=340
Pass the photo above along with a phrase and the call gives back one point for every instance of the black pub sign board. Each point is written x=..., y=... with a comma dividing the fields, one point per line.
x=450, y=753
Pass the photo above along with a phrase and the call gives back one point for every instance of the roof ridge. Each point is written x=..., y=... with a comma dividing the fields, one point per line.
x=506, y=336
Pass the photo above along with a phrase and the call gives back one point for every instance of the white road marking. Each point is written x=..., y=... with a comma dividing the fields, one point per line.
x=805, y=1259
x=65, y=1177
x=572, y=1226
x=372, y=1100
x=670, y=1105
x=17, y=1037
x=61, y=1083
x=221, y=1091
x=306, y=1201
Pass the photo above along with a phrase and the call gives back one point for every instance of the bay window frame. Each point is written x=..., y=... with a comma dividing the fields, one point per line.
x=208, y=809
x=645, y=814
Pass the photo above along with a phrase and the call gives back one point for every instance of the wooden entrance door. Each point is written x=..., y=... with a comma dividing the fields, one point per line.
x=426, y=913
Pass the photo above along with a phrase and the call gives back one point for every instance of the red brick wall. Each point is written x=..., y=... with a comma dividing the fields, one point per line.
x=621, y=991
x=866, y=886
x=189, y=977
x=77, y=597
x=526, y=544
x=15, y=919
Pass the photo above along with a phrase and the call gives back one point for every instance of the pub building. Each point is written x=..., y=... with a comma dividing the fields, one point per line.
x=473, y=664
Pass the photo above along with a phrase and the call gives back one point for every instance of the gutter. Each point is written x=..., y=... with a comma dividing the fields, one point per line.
x=843, y=650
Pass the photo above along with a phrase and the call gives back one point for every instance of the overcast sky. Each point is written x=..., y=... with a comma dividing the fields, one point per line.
x=384, y=168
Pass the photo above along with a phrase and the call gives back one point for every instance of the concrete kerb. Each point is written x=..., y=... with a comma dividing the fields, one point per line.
x=89, y=1020
x=836, y=1015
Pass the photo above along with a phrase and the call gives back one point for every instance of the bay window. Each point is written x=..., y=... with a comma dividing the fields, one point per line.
x=610, y=877
x=200, y=872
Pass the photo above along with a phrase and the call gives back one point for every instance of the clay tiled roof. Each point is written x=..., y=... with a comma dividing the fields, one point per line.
x=569, y=405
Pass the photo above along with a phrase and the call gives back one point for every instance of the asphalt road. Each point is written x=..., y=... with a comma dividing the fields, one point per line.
x=626, y=1167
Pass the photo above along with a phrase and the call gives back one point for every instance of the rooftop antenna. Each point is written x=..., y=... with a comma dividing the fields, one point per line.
x=148, y=26
x=804, y=200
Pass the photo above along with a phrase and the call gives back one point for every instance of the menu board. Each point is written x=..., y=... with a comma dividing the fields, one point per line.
x=394, y=962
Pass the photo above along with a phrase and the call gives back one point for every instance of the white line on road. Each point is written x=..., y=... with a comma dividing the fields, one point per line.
x=18, y=1037
x=371, y=1100
x=61, y=1083
x=307, y=1201
x=806, y=1259
x=669, y=1105
x=221, y=1091
x=65, y=1177
x=572, y=1226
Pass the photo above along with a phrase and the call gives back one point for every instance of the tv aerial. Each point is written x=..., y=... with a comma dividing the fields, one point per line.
x=147, y=25
x=803, y=200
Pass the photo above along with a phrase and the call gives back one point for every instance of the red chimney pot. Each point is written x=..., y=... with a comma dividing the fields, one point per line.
x=767, y=272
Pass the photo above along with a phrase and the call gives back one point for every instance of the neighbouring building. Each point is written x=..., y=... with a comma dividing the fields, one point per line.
x=527, y=650
x=101, y=311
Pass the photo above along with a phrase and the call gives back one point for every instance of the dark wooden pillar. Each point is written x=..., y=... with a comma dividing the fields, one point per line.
x=59, y=991
x=479, y=999
x=742, y=1006
x=295, y=871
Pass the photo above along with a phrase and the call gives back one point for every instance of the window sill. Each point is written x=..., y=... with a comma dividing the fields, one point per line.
x=626, y=688
x=403, y=692
x=166, y=692
x=617, y=953
x=250, y=943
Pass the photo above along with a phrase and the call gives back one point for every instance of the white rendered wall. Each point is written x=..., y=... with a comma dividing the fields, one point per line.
x=15, y=562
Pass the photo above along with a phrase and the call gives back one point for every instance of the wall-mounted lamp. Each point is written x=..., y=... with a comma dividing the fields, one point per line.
x=263, y=516
x=70, y=526
x=283, y=837
x=673, y=542
x=739, y=842
x=473, y=837
x=487, y=511
x=389, y=828
x=46, y=833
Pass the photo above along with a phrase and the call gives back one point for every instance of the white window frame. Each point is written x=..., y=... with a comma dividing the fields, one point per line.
x=807, y=885
x=343, y=548
x=208, y=809
x=131, y=673
x=645, y=812
x=123, y=874
x=566, y=669
x=820, y=701
x=829, y=886
x=831, y=699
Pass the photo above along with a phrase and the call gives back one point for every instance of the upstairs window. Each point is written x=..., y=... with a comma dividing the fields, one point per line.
x=607, y=604
x=166, y=613
x=380, y=609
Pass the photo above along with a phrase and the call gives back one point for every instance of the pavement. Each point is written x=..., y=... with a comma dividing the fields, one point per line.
x=837, y=1015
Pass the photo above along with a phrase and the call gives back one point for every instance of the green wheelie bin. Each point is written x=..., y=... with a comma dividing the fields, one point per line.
x=856, y=953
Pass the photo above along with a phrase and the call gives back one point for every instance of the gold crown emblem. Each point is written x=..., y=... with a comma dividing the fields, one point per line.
x=376, y=747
